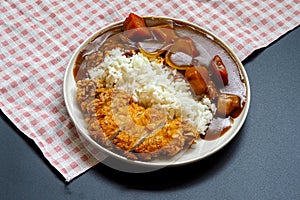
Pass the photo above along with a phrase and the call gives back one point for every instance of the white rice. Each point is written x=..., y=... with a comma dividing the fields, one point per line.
x=153, y=85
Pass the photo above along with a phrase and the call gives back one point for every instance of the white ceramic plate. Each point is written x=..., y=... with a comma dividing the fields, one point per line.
x=198, y=151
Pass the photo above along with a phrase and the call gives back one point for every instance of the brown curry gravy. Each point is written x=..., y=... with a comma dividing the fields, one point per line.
x=208, y=48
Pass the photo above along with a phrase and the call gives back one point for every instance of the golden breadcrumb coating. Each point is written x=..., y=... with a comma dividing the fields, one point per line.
x=115, y=121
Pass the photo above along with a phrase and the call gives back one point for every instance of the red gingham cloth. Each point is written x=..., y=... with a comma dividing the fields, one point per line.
x=39, y=37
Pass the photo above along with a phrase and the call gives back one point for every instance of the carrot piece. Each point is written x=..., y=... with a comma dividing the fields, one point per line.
x=135, y=28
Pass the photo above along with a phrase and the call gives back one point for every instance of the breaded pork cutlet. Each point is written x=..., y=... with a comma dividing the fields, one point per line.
x=115, y=121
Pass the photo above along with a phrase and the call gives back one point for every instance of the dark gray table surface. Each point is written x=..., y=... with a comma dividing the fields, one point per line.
x=261, y=162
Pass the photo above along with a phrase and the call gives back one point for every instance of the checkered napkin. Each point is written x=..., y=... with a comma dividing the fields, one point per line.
x=39, y=37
